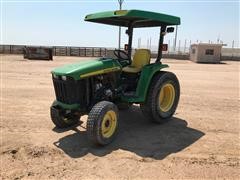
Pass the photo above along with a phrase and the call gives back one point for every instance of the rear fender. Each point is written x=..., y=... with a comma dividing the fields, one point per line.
x=144, y=81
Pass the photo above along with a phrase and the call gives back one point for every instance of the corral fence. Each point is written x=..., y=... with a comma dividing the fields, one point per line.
x=227, y=53
x=58, y=50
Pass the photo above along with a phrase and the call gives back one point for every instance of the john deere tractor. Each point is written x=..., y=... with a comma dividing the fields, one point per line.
x=100, y=88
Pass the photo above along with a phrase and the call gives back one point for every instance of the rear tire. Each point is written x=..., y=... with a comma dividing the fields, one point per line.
x=102, y=123
x=163, y=97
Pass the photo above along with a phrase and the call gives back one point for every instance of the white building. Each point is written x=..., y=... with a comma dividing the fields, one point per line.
x=205, y=53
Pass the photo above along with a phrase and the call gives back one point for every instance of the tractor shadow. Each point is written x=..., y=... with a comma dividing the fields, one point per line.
x=137, y=135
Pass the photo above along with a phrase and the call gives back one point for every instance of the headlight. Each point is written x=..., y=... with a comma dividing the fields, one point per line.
x=64, y=78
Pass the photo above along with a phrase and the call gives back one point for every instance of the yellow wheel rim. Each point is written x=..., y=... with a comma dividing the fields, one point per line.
x=109, y=124
x=166, y=97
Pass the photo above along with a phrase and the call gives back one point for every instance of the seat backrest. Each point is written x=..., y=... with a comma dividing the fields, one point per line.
x=141, y=58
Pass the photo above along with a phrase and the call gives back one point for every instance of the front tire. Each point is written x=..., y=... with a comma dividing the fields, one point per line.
x=102, y=123
x=163, y=98
x=62, y=120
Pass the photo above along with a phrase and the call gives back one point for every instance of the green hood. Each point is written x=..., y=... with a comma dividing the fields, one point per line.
x=88, y=68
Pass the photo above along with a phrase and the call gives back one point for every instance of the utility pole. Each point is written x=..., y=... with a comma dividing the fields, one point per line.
x=175, y=40
x=232, y=44
x=119, y=35
x=185, y=43
x=218, y=39
x=232, y=47
x=179, y=46
x=190, y=43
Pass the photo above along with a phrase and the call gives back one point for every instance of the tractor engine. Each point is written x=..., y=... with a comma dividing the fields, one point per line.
x=85, y=92
x=104, y=87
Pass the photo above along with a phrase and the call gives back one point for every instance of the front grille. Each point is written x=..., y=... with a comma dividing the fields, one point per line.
x=70, y=91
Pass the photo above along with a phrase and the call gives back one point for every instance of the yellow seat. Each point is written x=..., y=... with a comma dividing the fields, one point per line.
x=140, y=59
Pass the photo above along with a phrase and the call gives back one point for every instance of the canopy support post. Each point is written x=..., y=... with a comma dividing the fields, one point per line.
x=130, y=37
x=162, y=33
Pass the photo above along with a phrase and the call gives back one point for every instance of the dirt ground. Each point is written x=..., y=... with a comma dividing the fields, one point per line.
x=201, y=141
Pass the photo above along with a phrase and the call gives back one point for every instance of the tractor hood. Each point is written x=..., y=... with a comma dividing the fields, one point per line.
x=88, y=68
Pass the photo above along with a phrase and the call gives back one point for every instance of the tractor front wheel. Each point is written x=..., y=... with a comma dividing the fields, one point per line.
x=163, y=97
x=61, y=119
x=102, y=123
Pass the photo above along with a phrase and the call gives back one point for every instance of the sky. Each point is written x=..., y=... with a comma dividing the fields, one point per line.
x=61, y=22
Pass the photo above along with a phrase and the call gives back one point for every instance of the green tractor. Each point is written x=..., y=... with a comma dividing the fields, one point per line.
x=98, y=88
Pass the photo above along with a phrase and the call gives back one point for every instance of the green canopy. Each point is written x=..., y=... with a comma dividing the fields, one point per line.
x=137, y=17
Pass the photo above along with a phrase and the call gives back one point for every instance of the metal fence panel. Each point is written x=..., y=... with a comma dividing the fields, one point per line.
x=227, y=53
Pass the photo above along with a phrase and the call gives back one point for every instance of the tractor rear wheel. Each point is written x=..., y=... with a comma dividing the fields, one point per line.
x=163, y=97
x=102, y=123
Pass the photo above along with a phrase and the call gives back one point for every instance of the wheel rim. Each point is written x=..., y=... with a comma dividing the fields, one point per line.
x=166, y=97
x=67, y=120
x=109, y=124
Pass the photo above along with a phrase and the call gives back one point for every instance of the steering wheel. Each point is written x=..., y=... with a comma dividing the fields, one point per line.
x=122, y=56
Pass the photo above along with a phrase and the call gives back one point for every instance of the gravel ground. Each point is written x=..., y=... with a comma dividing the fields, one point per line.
x=201, y=141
